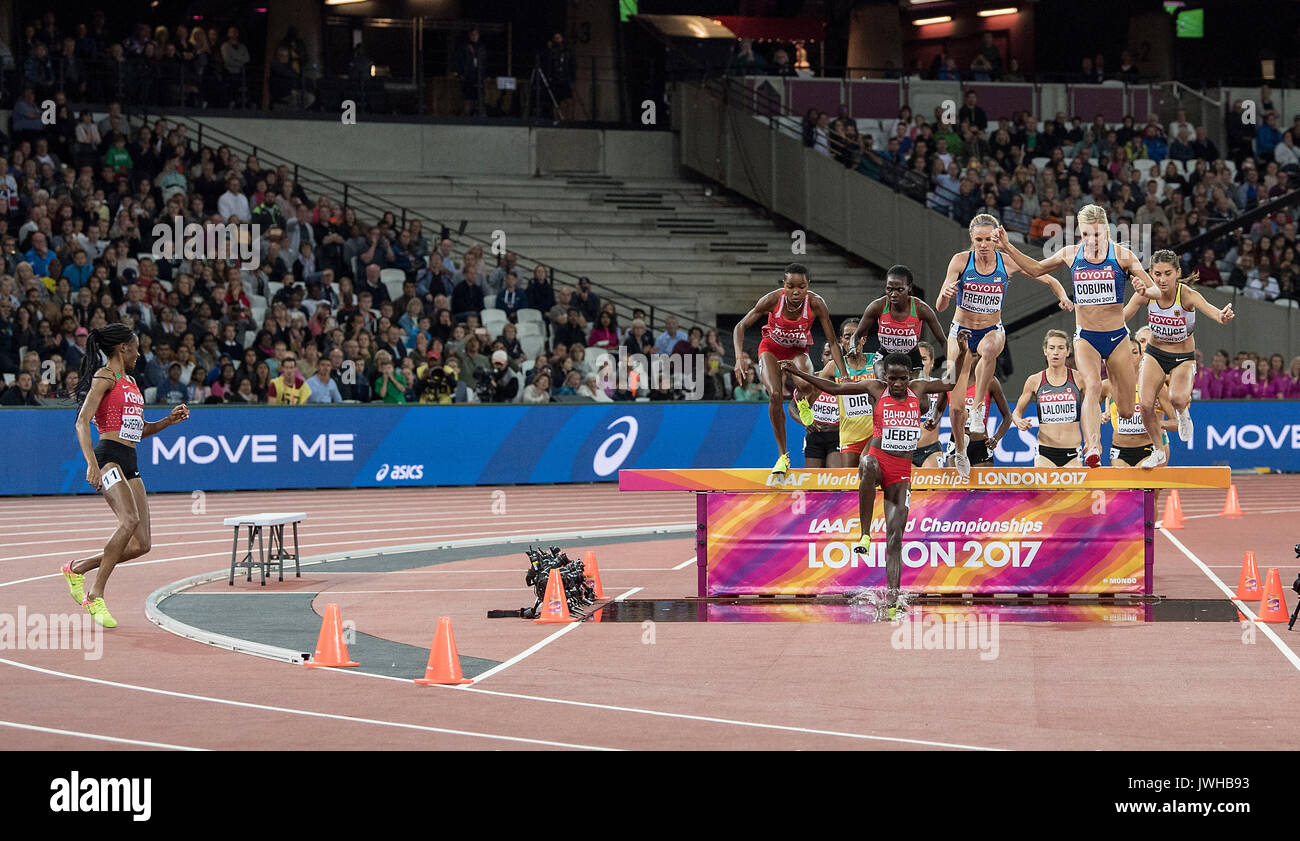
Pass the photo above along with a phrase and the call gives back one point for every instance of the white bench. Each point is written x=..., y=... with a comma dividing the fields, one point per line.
x=277, y=555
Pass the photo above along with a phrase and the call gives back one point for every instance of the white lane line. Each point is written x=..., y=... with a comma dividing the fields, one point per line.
x=96, y=736
x=1248, y=513
x=533, y=649
x=536, y=647
x=657, y=524
x=731, y=721
x=1242, y=606
x=210, y=521
x=306, y=713
x=685, y=564
x=660, y=713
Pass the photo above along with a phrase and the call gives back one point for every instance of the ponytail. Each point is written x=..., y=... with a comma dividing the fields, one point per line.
x=102, y=341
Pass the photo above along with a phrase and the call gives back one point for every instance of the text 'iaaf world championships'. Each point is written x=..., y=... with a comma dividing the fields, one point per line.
x=930, y=526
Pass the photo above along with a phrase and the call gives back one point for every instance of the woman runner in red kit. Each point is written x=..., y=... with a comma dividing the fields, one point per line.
x=888, y=464
x=787, y=336
x=112, y=400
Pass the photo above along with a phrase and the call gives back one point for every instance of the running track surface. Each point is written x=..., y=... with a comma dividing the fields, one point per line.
x=707, y=685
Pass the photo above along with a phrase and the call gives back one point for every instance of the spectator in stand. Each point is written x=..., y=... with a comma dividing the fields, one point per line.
x=573, y=331
x=511, y=299
x=1208, y=270
x=467, y=297
x=1268, y=136
x=288, y=387
x=1293, y=374
x=1286, y=153
x=234, y=59
x=604, y=334
x=671, y=335
x=172, y=390
x=322, y=388
x=389, y=384
x=972, y=113
x=539, y=390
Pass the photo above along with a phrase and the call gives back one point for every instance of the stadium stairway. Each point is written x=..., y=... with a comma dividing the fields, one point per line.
x=662, y=240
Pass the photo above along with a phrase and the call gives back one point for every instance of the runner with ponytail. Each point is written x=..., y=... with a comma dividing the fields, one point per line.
x=111, y=399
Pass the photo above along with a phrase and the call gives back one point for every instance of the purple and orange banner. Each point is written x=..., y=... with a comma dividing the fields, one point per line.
x=956, y=542
x=932, y=478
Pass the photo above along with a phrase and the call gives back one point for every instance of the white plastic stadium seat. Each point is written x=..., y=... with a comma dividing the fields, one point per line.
x=528, y=365
x=150, y=393
x=1039, y=163
x=1286, y=302
x=1144, y=167
x=258, y=312
x=1232, y=167
x=255, y=300
x=530, y=315
x=9, y=378
x=165, y=284
x=494, y=320
x=532, y=345
x=393, y=279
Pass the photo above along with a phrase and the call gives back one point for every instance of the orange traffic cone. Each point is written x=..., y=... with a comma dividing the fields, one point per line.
x=1178, y=502
x=592, y=571
x=331, y=650
x=444, y=662
x=1173, y=518
x=554, y=607
x=1248, y=584
x=1272, y=608
x=1231, y=508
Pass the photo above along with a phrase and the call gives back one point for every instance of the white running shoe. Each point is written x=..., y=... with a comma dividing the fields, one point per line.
x=962, y=463
x=1185, y=425
x=1156, y=459
x=977, y=420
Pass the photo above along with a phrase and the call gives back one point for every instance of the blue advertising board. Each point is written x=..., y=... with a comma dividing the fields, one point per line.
x=234, y=448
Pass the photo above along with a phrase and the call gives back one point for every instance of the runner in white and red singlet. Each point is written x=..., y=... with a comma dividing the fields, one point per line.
x=895, y=320
x=1170, y=353
x=790, y=312
x=113, y=401
x=888, y=464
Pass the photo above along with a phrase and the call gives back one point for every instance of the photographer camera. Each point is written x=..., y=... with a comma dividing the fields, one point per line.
x=500, y=384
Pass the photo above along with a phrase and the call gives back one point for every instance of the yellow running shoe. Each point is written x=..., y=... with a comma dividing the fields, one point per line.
x=805, y=411
x=782, y=464
x=863, y=546
x=75, y=583
x=100, y=612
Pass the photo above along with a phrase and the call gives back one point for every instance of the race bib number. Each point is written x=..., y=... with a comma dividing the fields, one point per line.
x=1132, y=425
x=1095, y=287
x=982, y=298
x=1054, y=409
x=111, y=477
x=132, y=428
x=857, y=405
x=826, y=411
x=899, y=439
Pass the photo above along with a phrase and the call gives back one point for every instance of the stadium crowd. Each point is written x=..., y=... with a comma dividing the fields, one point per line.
x=309, y=318
x=1172, y=178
